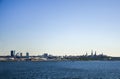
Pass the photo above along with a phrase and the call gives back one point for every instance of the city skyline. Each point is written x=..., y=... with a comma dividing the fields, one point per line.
x=19, y=53
x=60, y=27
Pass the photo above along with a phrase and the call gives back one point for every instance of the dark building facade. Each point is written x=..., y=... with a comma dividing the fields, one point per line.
x=12, y=53
x=27, y=55
x=45, y=55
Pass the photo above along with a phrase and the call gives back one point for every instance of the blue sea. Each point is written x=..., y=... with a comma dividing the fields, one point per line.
x=60, y=70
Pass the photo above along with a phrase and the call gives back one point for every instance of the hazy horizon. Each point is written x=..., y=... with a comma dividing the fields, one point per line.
x=60, y=27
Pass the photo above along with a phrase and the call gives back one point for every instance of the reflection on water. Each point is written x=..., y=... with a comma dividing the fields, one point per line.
x=60, y=70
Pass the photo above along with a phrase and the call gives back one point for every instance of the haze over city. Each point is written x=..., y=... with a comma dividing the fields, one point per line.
x=60, y=27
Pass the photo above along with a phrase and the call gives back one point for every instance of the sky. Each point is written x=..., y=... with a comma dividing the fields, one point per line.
x=60, y=27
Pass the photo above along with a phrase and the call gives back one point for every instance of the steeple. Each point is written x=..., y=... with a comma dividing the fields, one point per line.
x=86, y=54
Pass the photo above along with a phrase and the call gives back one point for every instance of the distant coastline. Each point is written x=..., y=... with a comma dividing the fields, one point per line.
x=47, y=57
x=59, y=58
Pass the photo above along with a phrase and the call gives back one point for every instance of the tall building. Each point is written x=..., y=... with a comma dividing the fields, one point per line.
x=12, y=52
x=20, y=54
x=91, y=52
x=86, y=54
x=95, y=53
x=27, y=55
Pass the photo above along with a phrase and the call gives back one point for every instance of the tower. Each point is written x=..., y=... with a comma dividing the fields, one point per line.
x=95, y=53
x=12, y=53
x=27, y=55
x=91, y=52
x=20, y=54
x=86, y=54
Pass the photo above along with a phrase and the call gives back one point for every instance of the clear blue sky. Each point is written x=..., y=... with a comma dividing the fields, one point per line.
x=60, y=27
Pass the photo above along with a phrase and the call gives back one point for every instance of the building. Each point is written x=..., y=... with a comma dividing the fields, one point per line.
x=27, y=55
x=95, y=54
x=20, y=54
x=91, y=52
x=12, y=52
x=45, y=55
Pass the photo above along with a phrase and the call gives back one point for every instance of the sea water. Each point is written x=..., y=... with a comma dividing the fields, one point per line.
x=60, y=70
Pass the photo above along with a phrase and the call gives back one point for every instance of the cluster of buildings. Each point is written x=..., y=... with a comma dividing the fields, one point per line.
x=18, y=55
x=92, y=56
x=14, y=56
